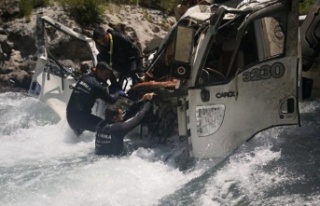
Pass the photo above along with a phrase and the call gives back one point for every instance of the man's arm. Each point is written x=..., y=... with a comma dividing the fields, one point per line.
x=132, y=110
x=131, y=123
x=101, y=92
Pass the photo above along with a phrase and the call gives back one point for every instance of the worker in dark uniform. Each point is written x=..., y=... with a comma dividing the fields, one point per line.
x=110, y=134
x=120, y=53
x=88, y=89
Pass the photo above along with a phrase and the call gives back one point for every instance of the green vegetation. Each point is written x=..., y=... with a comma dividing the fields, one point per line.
x=26, y=6
x=40, y=3
x=166, y=6
x=305, y=6
x=85, y=12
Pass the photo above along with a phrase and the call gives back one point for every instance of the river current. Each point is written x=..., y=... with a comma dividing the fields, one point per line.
x=44, y=163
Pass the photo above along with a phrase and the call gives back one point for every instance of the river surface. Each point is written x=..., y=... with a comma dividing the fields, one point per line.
x=43, y=163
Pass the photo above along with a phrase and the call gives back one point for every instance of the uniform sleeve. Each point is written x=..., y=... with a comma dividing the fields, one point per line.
x=131, y=123
x=132, y=110
x=101, y=92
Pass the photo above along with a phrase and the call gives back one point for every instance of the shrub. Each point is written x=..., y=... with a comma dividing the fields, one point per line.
x=40, y=3
x=84, y=12
x=25, y=7
x=166, y=6
x=305, y=6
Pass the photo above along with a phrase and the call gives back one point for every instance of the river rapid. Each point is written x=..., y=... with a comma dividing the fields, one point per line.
x=44, y=163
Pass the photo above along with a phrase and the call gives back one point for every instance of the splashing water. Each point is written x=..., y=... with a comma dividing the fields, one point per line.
x=44, y=163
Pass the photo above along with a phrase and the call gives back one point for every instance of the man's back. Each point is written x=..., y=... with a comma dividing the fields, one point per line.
x=86, y=92
x=120, y=52
x=82, y=98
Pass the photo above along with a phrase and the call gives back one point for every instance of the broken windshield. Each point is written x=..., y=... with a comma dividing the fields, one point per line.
x=232, y=50
x=66, y=53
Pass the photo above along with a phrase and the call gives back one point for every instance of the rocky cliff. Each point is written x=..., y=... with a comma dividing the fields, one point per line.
x=17, y=36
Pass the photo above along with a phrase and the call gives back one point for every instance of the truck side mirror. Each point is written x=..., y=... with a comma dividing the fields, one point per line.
x=183, y=48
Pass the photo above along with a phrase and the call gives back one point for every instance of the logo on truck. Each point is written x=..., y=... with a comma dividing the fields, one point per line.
x=276, y=70
x=225, y=94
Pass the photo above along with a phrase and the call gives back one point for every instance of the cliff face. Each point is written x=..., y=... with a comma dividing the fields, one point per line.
x=18, y=44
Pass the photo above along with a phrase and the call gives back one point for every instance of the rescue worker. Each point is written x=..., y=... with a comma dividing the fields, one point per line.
x=110, y=134
x=88, y=89
x=120, y=53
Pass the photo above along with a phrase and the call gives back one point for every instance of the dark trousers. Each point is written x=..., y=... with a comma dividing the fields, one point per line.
x=80, y=121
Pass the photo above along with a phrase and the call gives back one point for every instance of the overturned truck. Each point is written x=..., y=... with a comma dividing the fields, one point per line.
x=222, y=74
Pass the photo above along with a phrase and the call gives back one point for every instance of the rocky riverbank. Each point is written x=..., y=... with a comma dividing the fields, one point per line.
x=18, y=52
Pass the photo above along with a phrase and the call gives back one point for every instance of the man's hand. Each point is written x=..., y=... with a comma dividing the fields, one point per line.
x=122, y=93
x=148, y=96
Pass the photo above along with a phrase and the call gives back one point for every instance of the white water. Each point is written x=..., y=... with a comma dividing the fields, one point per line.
x=43, y=163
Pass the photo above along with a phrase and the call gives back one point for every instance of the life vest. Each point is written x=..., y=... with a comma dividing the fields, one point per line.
x=103, y=139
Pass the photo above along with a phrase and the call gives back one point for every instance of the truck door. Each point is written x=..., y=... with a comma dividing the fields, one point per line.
x=246, y=82
x=56, y=71
x=310, y=42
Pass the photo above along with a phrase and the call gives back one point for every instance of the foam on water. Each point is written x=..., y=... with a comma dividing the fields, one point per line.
x=18, y=111
x=244, y=173
x=44, y=163
x=259, y=173
x=278, y=166
x=109, y=181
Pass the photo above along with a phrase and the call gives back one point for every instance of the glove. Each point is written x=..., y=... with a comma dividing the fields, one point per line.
x=122, y=93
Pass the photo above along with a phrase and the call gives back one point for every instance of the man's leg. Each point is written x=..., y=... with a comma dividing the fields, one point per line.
x=80, y=122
